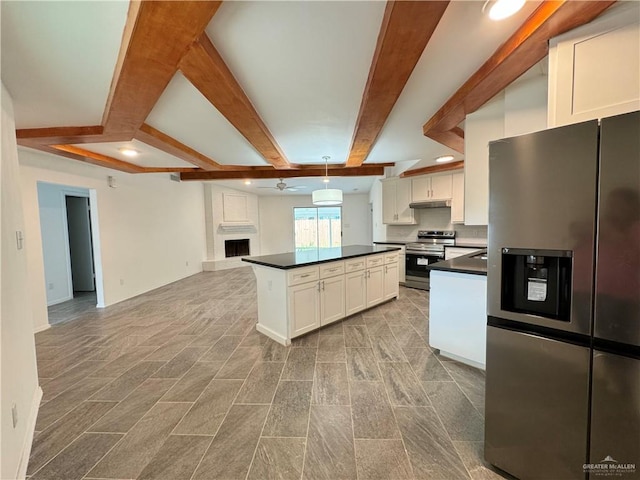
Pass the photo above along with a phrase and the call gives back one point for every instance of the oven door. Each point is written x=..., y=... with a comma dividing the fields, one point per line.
x=416, y=264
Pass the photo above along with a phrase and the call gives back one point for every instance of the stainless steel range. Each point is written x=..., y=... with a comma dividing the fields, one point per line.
x=428, y=249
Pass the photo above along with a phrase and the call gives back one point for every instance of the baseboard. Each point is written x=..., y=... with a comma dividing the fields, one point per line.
x=42, y=328
x=28, y=440
x=273, y=335
x=227, y=264
x=466, y=361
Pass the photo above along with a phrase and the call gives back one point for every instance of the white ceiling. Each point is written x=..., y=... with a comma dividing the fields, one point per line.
x=349, y=185
x=148, y=155
x=303, y=64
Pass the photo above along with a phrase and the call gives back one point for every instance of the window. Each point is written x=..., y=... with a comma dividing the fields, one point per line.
x=319, y=227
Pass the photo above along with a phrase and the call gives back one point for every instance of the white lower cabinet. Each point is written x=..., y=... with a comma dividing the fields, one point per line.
x=356, y=292
x=304, y=308
x=375, y=285
x=390, y=288
x=332, y=299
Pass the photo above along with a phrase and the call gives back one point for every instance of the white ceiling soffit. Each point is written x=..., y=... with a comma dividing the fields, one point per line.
x=148, y=155
x=304, y=65
x=58, y=59
x=186, y=115
x=349, y=185
x=462, y=42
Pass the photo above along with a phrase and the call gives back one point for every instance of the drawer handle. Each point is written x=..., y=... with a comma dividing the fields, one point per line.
x=305, y=275
x=334, y=269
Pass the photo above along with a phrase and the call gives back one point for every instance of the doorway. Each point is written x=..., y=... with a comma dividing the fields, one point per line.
x=70, y=246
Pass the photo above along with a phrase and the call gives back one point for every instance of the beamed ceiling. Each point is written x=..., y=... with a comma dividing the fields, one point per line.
x=263, y=90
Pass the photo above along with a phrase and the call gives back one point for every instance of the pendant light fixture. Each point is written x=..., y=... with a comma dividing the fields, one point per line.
x=326, y=196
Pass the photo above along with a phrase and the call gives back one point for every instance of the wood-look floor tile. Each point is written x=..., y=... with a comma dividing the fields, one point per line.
x=356, y=336
x=330, y=447
x=55, y=387
x=431, y=453
x=55, y=368
x=240, y=363
x=126, y=383
x=210, y=336
x=65, y=402
x=124, y=362
x=278, y=458
x=470, y=380
x=191, y=385
x=260, y=385
x=139, y=446
x=378, y=327
x=426, y=365
x=48, y=443
x=79, y=457
x=331, y=349
x=330, y=385
x=300, y=364
x=310, y=340
x=458, y=416
x=472, y=455
x=289, y=412
x=127, y=413
x=274, y=352
x=382, y=460
x=177, y=458
x=181, y=363
x=232, y=449
x=170, y=349
x=333, y=329
x=408, y=337
x=353, y=320
x=402, y=385
x=371, y=411
x=361, y=364
x=207, y=413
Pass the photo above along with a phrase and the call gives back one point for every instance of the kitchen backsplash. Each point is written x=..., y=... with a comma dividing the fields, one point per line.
x=438, y=219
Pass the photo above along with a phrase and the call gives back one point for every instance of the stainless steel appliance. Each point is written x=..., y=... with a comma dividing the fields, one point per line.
x=427, y=250
x=563, y=335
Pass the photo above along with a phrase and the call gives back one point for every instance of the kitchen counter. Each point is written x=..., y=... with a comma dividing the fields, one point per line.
x=286, y=261
x=465, y=264
x=391, y=242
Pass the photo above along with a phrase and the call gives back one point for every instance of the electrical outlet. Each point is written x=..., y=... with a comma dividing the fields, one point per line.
x=19, y=240
x=14, y=415
x=51, y=286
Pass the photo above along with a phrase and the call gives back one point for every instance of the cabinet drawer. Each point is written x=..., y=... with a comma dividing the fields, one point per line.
x=391, y=257
x=331, y=269
x=355, y=265
x=375, y=260
x=302, y=275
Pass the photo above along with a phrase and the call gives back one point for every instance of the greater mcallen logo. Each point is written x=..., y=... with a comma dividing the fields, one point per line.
x=609, y=467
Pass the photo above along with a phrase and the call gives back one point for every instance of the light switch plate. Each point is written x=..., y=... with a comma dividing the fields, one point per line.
x=19, y=239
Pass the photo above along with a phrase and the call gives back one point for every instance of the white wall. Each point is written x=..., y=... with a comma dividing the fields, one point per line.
x=17, y=350
x=151, y=229
x=379, y=229
x=276, y=221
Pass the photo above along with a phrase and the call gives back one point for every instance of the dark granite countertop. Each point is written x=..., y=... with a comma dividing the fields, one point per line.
x=464, y=264
x=391, y=242
x=466, y=245
x=286, y=261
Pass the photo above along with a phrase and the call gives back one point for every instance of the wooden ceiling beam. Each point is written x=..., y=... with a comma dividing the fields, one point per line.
x=290, y=173
x=167, y=144
x=527, y=46
x=445, y=167
x=156, y=36
x=76, y=153
x=406, y=29
x=453, y=138
x=206, y=70
x=31, y=137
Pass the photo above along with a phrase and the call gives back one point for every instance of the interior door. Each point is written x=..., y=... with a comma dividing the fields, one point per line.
x=80, y=246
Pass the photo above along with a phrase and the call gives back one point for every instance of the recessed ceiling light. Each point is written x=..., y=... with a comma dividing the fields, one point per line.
x=128, y=152
x=501, y=9
x=444, y=158
x=247, y=182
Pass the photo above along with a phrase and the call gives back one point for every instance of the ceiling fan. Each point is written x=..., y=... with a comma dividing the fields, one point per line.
x=283, y=186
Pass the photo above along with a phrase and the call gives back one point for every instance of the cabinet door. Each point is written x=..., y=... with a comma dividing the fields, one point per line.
x=375, y=285
x=403, y=199
x=304, y=308
x=441, y=187
x=457, y=198
x=420, y=188
x=356, y=292
x=389, y=212
x=332, y=293
x=391, y=281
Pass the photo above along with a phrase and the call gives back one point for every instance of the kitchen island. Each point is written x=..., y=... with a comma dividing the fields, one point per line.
x=458, y=308
x=299, y=292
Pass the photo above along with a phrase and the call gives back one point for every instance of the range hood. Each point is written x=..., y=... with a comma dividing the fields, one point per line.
x=431, y=204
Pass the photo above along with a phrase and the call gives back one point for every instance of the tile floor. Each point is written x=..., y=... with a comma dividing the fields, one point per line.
x=80, y=304
x=177, y=384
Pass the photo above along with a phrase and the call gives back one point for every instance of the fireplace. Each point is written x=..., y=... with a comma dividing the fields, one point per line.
x=236, y=248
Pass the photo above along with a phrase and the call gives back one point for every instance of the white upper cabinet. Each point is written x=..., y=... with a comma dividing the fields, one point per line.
x=594, y=70
x=396, y=197
x=426, y=188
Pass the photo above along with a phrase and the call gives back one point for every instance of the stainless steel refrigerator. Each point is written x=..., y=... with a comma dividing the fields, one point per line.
x=563, y=333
